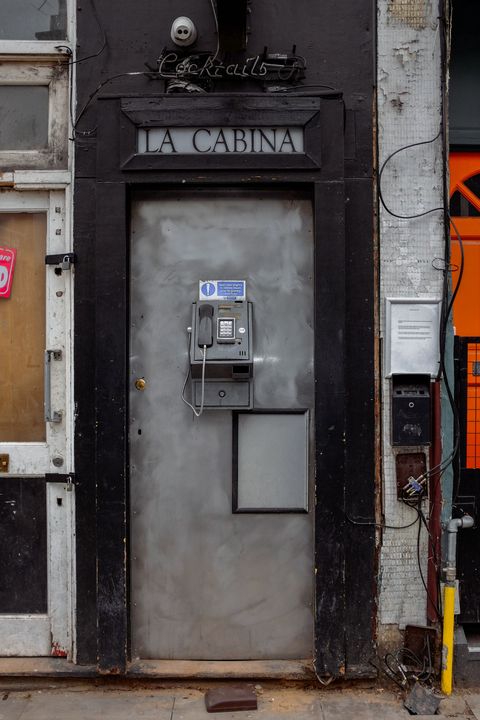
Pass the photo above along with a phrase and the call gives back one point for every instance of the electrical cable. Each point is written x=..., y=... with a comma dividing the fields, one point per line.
x=451, y=268
x=381, y=525
x=447, y=310
x=293, y=88
x=460, y=267
x=69, y=52
x=174, y=86
x=450, y=393
x=422, y=577
x=447, y=306
x=425, y=523
x=196, y=412
x=93, y=55
x=325, y=681
x=88, y=57
x=215, y=17
x=404, y=666
x=96, y=91
x=386, y=672
x=70, y=88
x=421, y=518
x=380, y=174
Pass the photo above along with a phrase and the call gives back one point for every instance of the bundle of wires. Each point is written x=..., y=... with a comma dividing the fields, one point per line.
x=405, y=667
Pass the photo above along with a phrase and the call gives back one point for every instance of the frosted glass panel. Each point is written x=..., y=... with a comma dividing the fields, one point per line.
x=23, y=117
x=33, y=19
x=272, y=461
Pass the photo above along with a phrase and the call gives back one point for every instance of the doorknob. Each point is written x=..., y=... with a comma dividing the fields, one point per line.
x=140, y=383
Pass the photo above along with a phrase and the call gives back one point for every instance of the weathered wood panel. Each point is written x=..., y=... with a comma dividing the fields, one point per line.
x=22, y=330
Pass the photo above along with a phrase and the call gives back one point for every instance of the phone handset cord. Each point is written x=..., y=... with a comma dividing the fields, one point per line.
x=203, y=349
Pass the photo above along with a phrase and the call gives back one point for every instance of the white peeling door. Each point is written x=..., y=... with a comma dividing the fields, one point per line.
x=35, y=514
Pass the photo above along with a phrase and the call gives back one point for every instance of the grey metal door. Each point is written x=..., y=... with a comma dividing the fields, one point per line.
x=208, y=582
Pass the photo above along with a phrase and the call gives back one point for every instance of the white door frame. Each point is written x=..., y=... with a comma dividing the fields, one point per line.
x=50, y=633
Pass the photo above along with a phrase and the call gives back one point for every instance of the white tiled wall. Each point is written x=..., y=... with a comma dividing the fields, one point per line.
x=409, y=111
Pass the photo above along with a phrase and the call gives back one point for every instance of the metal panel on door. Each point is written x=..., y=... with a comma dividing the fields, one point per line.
x=208, y=582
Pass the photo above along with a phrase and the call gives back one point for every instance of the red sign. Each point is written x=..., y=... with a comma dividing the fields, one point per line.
x=7, y=264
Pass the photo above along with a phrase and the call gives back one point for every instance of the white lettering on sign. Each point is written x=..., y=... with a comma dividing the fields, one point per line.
x=7, y=265
x=285, y=67
x=222, y=289
x=221, y=140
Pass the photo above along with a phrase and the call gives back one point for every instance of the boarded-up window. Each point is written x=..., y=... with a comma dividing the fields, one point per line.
x=22, y=330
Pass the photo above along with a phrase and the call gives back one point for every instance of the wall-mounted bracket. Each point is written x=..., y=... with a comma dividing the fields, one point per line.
x=63, y=260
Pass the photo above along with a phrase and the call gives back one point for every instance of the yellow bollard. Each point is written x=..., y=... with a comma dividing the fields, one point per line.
x=447, y=640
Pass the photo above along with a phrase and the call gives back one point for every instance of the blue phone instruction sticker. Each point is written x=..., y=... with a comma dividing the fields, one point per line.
x=222, y=290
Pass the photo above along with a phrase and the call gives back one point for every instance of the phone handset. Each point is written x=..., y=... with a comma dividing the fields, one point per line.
x=204, y=340
x=205, y=325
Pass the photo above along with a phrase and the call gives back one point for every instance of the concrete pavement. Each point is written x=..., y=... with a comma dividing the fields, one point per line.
x=275, y=702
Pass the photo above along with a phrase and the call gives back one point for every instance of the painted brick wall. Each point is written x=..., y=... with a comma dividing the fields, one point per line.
x=409, y=111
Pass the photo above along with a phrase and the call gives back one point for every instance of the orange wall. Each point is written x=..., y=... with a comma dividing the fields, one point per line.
x=466, y=310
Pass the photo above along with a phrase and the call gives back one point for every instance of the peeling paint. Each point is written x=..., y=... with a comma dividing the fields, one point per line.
x=397, y=103
x=409, y=112
x=58, y=651
x=406, y=55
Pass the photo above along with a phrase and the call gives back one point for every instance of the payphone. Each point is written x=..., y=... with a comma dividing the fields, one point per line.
x=221, y=356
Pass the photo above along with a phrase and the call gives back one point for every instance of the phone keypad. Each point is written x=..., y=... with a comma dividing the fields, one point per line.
x=225, y=330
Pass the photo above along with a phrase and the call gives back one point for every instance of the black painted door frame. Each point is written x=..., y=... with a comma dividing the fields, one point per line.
x=466, y=494
x=344, y=552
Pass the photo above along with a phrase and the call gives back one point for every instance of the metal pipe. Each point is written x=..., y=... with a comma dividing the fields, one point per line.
x=453, y=526
x=435, y=496
x=447, y=639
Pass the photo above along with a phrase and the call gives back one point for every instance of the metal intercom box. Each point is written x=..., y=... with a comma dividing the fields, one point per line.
x=411, y=410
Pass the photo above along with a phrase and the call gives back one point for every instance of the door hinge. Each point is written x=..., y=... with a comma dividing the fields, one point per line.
x=63, y=260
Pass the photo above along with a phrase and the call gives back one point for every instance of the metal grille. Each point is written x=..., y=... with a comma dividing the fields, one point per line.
x=473, y=406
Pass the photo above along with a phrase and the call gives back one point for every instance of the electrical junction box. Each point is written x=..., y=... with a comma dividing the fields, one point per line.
x=411, y=410
x=412, y=327
x=409, y=466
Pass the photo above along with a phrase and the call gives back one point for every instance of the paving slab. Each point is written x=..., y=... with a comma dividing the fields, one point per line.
x=97, y=705
x=363, y=707
x=187, y=703
x=286, y=704
x=473, y=702
x=11, y=708
x=455, y=706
